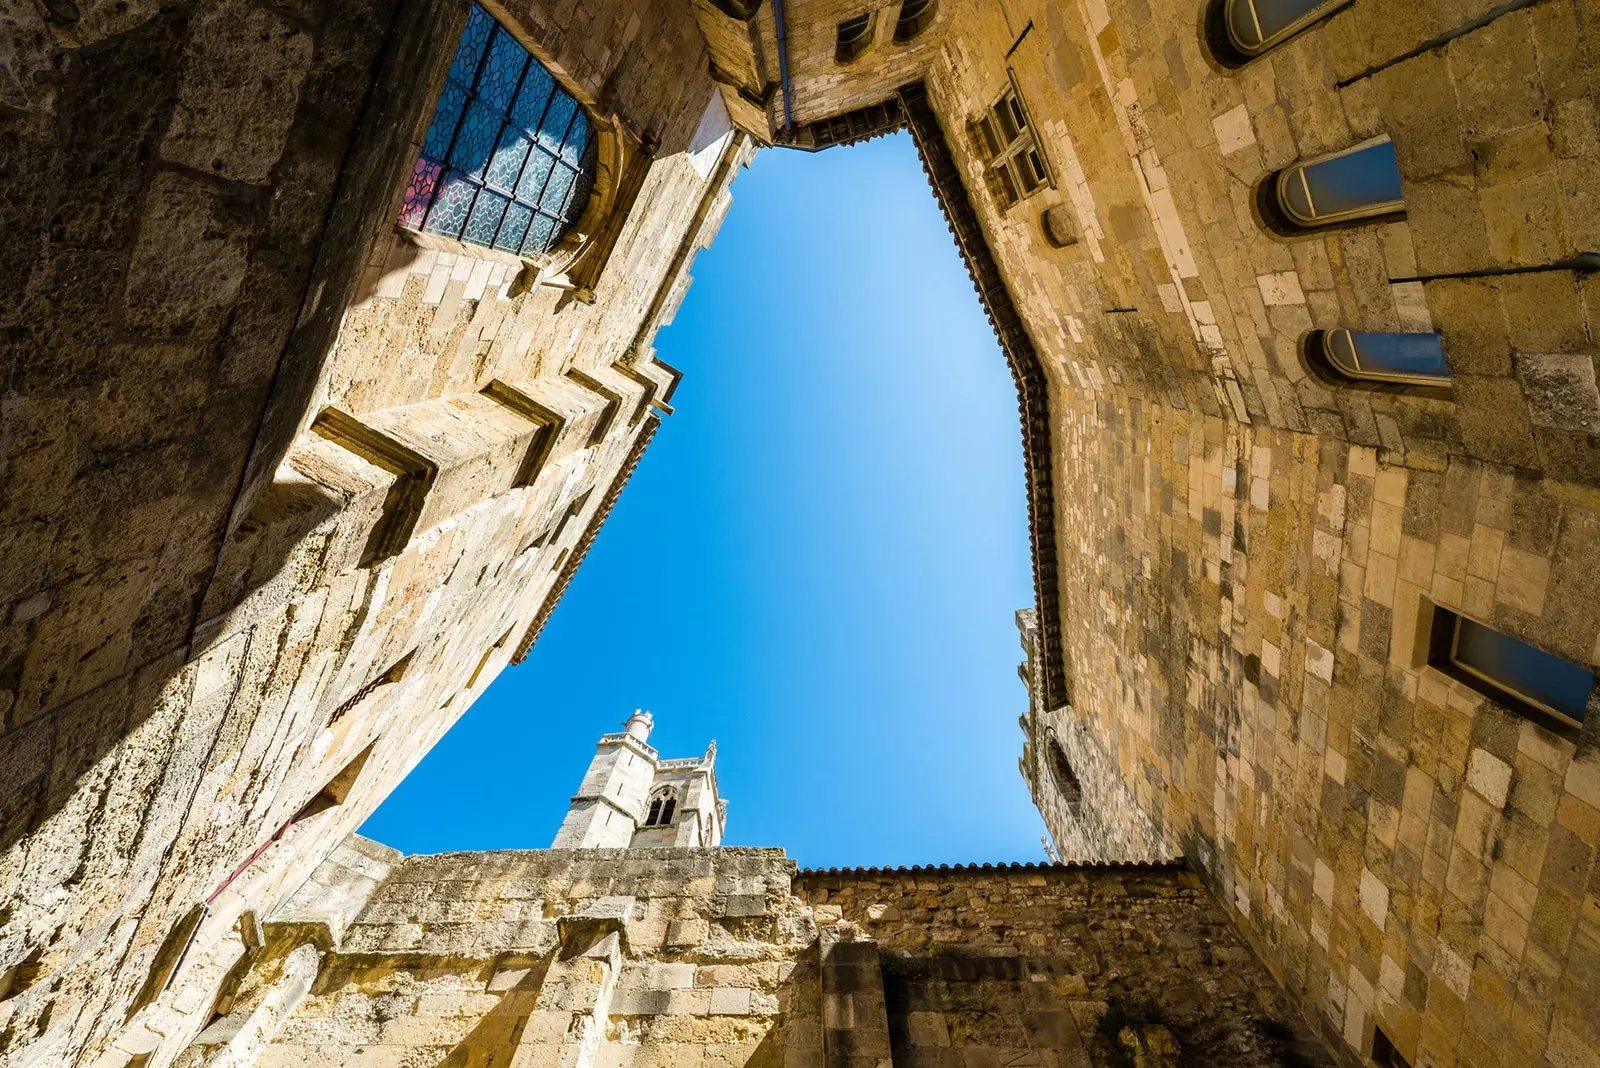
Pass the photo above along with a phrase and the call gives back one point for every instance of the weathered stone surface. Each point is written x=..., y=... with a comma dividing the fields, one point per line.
x=202, y=218
x=1561, y=391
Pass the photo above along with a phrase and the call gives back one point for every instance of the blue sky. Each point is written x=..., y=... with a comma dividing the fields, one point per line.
x=816, y=563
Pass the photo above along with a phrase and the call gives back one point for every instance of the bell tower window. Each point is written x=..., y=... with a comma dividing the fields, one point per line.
x=509, y=159
x=661, y=809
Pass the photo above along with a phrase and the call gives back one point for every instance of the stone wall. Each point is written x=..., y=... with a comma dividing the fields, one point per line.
x=1256, y=548
x=729, y=958
x=1091, y=812
x=468, y=958
x=281, y=489
x=1022, y=963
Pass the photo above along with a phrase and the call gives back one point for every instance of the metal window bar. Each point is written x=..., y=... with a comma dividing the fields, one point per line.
x=508, y=160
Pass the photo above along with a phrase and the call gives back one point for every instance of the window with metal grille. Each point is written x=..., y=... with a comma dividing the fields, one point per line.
x=508, y=161
x=854, y=37
x=1016, y=166
x=915, y=15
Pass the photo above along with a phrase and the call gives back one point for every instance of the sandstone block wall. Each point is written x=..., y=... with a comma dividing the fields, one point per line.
x=1020, y=964
x=281, y=490
x=1255, y=546
x=730, y=958
x=465, y=958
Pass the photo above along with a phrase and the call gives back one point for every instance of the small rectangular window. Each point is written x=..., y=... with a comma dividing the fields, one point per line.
x=1526, y=680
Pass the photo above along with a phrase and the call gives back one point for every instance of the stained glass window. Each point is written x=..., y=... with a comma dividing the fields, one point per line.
x=508, y=160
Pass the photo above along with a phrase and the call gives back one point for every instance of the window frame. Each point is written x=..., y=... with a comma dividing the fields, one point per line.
x=1279, y=182
x=1071, y=790
x=1004, y=154
x=1322, y=344
x=909, y=28
x=1443, y=646
x=1317, y=13
x=662, y=806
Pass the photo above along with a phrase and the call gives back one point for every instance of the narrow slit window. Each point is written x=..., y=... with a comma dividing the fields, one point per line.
x=1510, y=671
x=509, y=159
x=1358, y=183
x=1404, y=359
x=915, y=15
x=1257, y=25
x=854, y=37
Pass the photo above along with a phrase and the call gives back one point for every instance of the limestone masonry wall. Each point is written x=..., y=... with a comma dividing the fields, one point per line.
x=1025, y=961
x=282, y=489
x=728, y=957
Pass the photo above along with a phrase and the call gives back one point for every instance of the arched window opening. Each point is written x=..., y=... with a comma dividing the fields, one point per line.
x=1362, y=356
x=854, y=37
x=915, y=16
x=1066, y=778
x=509, y=159
x=1240, y=30
x=1356, y=184
x=662, y=806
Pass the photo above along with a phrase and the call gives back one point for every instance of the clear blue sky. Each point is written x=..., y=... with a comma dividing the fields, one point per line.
x=816, y=563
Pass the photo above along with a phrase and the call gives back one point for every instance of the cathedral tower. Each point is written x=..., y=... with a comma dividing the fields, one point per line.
x=631, y=798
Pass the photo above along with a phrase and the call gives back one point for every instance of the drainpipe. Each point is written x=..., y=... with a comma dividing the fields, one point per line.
x=783, y=67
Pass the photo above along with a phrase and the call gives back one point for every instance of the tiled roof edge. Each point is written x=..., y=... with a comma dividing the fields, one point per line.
x=1013, y=866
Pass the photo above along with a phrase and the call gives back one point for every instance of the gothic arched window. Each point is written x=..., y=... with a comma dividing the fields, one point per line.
x=1254, y=26
x=1402, y=359
x=915, y=15
x=509, y=159
x=661, y=808
x=1356, y=183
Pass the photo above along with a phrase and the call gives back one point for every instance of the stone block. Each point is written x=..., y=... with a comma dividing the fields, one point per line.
x=730, y=1001
x=738, y=905
x=237, y=99
x=1560, y=391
